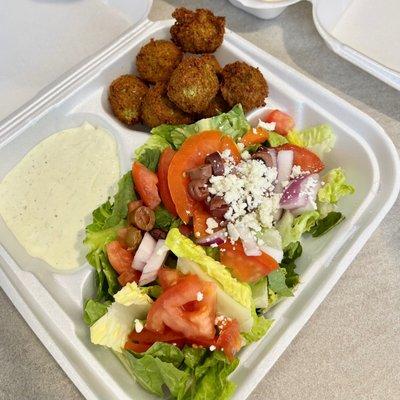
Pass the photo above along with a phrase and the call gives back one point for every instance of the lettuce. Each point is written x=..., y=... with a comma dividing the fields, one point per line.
x=190, y=373
x=275, y=139
x=277, y=283
x=232, y=123
x=259, y=291
x=112, y=329
x=292, y=228
x=165, y=220
x=260, y=328
x=335, y=187
x=327, y=223
x=319, y=139
x=93, y=310
x=183, y=247
x=291, y=253
x=149, y=153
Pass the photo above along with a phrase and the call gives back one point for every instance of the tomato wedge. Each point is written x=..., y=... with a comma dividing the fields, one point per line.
x=306, y=159
x=120, y=258
x=137, y=347
x=284, y=122
x=146, y=184
x=246, y=268
x=200, y=215
x=147, y=336
x=191, y=155
x=162, y=174
x=179, y=309
x=168, y=277
x=129, y=276
x=229, y=339
x=255, y=136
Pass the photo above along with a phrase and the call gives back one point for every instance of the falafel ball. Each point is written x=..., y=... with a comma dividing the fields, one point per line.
x=244, y=84
x=125, y=95
x=197, y=31
x=157, y=59
x=213, y=62
x=193, y=85
x=157, y=109
x=217, y=106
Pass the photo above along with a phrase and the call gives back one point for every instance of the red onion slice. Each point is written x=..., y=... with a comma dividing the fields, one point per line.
x=250, y=245
x=284, y=161
x=154, y=263
x=144, y=251
x=312, y=192
x=299, y=192
x=217, y=238
x=272, y=153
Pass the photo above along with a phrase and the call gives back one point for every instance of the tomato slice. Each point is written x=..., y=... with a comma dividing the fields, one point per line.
x=200, y=215
x=168, y=277
x=306, y=159
x=246, y=268
x=129, y=276
x=147, y=336
x=229, y=339
x=191, y=155
x=120, y=258
x=146, y=184
x=162, y=174
x=178, y=308
x=137, y=347
x=257, y=136
x=284, y=122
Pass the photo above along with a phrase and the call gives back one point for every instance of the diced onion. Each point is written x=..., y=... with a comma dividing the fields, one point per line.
x=154, y=263
x=144, y=251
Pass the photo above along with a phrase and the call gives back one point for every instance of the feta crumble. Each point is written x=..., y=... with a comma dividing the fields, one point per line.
x=296, y=171
x=211, y=225
x=138, y=325
x=200, y=296
x=269, y=126
x=212, y=348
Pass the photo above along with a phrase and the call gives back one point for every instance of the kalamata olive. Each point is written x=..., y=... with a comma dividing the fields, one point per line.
x=143, y=218
x=157, y=233
x=198, y=189
x=263, y=156
x=218, y=207
x=133, y=238
x=215, y=160
x=203, y=172
x=133, y=205
x=185, y=230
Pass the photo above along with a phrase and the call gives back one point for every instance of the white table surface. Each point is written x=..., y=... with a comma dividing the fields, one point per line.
x=350, y=348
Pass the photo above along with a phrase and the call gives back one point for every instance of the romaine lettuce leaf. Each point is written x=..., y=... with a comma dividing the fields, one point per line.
x=325, y=224
x=291, y=253
x=335, y=187
x=165, y=220
x=260, y=328
x=292, y=228
x=149, y=153
x=183, y=247
x=232, y=123
x=131, y=293
x=93, y=310
x=277, y=283
x=259, y=290
x=275, y=139
x=319, y=139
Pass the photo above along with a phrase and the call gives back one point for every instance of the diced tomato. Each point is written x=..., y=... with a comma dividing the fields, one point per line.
x=168, y=277
x=129, y=276
x=120, y=258
x=191, y=155
x=246, y=268
x=229, y=339
x=306, y=159
x=162, y=174
x=200, y=215
x=178, y=309
x=284, y=122
x=137, y=347
x=146, y=184
x=147, y=336
x=257, y=136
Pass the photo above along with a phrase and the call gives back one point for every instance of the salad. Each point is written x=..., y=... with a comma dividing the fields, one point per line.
x=201, y=240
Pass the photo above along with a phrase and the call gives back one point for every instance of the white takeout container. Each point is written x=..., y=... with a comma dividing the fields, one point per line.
x=327, y=14
x=51, y=302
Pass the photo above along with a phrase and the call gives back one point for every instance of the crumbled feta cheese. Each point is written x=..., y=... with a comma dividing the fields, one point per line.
x=212, y=347
x=284, y=184
x=232, y=232
x=269, y=126
x=240, y=146
x=267, y=210
x=211, y=225
x=197, y=234
x=296, y=171
x=213, y=245
x=200, y=296
x=308, y=191
x=138, y=326
x=246, y=155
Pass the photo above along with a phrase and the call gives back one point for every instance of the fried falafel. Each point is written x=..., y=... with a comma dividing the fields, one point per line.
x=244, y=84
x=193, y=85
x=157, y=109
x=197, y=31
x=125, y=95
x=157, y=59
x=211, y=60
x=217, y=106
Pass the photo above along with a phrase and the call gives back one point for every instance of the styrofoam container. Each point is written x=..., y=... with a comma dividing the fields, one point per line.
x=326, y=15
x=51, y=302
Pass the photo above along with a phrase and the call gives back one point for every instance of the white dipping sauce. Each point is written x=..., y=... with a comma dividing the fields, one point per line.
x=47, y=198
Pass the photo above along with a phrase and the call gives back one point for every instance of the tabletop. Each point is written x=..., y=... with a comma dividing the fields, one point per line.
x=350, y=348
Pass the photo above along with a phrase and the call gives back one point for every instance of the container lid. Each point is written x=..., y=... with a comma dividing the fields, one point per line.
x=42, y=40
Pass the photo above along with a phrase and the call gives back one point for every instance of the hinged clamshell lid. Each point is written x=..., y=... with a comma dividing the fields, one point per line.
x=42, y=40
